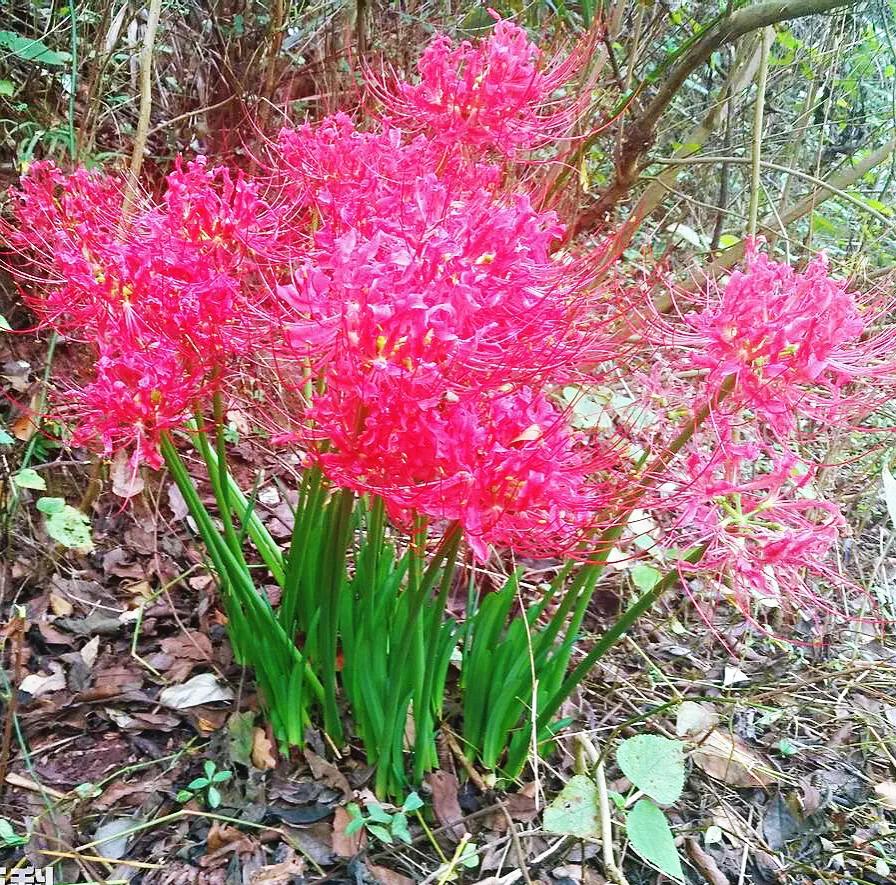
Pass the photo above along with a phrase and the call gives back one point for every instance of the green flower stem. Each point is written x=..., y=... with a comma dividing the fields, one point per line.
x=389, y=767
x=334, y=581
x=267, y=547
x=269, y=651
x=610, y=637
x=307, y=510
x=427, y=704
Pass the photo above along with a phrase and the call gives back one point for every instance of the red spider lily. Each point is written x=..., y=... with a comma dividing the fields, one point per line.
x=419, y=288
x=796, y=343
x=496, y=95
x=429, y=303
x=428, y=269
x=136, y=395
x=160, y=296
x=766, y=531
x=505, y=465
x=59, y=223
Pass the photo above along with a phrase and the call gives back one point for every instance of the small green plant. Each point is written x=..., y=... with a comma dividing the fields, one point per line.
x=381, y=824
x=9, y=838
x=466, y=856
x=64, y=523
x=206, y=786
x=28, y=478
x=655, y=767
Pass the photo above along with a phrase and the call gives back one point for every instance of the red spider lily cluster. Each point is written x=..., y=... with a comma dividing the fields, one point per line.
x=783, y=356
x=408, y=277
x=159, y=297
x=792, y=340
x=498, y=95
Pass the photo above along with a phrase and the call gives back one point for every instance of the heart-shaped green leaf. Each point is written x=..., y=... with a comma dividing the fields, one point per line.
x=574, y=811
x=653, y=764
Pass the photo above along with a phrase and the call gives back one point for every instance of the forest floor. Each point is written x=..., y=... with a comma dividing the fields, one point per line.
x=127, y=691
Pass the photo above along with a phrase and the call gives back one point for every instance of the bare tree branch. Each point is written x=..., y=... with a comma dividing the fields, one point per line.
x=641, y=133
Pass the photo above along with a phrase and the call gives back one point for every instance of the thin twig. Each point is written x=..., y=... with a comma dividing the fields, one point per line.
x=767, y=164
x=612, y=870
x=149, y=40
x=17, y=635
x=768, y=37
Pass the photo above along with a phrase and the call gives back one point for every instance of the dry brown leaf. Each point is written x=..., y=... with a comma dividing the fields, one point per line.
x=705, y=863
x=89, y=651
x=328, y=773
x=37, y=684
x=200, y=582
x=445, y=803
x=129, y=794
x=186, y=650
x=222, y=840
x=209, y=721
x=346, y=844
x=60, y=606
x=725, y=757
x=735, y=829
x=24, y=427
x=127, y=480
x=280, y=873
x=202, y=689
x=387, y=876
x=177, y=503
x=238, y=419
x=190, y=644
x=886, y=794
x=521, y=806
x=262, y=750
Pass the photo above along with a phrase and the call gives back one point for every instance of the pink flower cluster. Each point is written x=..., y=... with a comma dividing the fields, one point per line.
x=430, y=302
x=776, y=353
x=790, y=339
x=496, y=95
x=158, y=297
x=766, y=531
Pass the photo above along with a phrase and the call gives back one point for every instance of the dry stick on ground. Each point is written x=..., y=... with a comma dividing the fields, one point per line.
x=16, y=636
x=642, y=130
x=481, y=785
x=611, y=869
